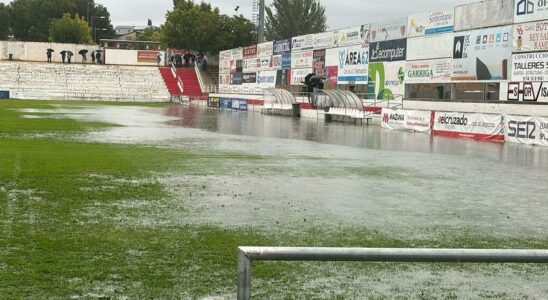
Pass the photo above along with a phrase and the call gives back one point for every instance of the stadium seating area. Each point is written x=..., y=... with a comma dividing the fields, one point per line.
x=82, y=82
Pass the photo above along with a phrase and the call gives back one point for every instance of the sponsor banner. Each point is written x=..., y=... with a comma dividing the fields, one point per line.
x=303, y=42
x=224, y=66
x=325, y=40
x=319, y=62
x=236, y=78
x=530, y=67
x=236, y=66
x=147, y=56
x=250, y=51
x=531, y=37
x=267, y=79
x=402, y=119
x=276, y=62
x=283, y=77
x=469, y=125
x=395, y=50
x=387, y=31
x=282, y=47
x=286, y=61
x=526, y=130
x=226, y=103
x=482, y=54
x=428, y=71
x=233, y=54
x=434, y=22
x=524, y=91
x=298, y=75
x=302, y=59
x=386, y=80
x=251, y=65
x=265, y=63
x=249, y=78
x=265, y=49
x=224, y=79
x=430, y=47
x=239, y=104
x=487, y=13
x=352, y=65
x=352, y=36
x=530, y=10
x=332, y=74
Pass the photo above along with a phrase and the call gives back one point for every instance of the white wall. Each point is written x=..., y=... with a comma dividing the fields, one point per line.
x=488, y=108
x=31, y=51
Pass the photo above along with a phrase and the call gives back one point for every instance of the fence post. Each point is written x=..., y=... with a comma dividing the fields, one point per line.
x=244, y=276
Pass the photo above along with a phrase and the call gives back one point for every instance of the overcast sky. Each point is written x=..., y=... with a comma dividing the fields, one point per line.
x=340, y=13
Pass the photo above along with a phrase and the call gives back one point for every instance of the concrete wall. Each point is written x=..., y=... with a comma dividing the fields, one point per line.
x=488, y=108
x=31, y=51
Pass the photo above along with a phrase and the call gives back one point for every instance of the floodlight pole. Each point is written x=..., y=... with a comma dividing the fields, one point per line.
x=260, y=29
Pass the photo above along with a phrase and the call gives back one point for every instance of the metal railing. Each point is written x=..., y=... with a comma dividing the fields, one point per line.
x=246, y=255
x=206, y=88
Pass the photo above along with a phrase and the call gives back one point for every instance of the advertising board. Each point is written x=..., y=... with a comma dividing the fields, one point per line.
x=213, y=102
x=428, y=71
x=434, y=22
x=390, y=30
x=487, y=13
x=297, y=75
x=351, y=64
x=482, y=54
x=249, y=78
x=524, y=91
x=303, y=42
x=530, y=10
x=302, y=59
x=386, y=80
x=394, y=50
x=250, y=52
x=147, y=56
x=530, y=37
x=356, y=35
x=282, y=47
x=403, y=119
x=319, y=62
x=530, y=66
x=526, y=130
x=265, y=49
x=469, y=125
x=325, y=40
x=430, y=47
x=267, y=79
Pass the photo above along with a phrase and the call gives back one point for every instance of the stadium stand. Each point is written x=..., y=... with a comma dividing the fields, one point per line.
x=82, y=82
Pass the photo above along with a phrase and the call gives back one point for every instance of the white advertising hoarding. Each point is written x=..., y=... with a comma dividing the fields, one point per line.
x=434, y=22
x=527, y=130
x=524, y=91
x=266, y=79
x=265, y=49
x=304, y=42
x=482, y=54
x=428, y=71
x=402, y=119
x=356, y=35
x=530, y=66
x=430, y=47
x=298, y=75
x=469, y=125
x=302, y=59
x=530, y=10
x=325, y=40
x=530, y=37
x=352, y=63
x=391, y=30
x=386, y=79
x=487, y=13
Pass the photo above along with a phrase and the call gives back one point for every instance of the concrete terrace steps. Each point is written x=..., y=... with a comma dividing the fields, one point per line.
x=191, y=85
x=76, y=81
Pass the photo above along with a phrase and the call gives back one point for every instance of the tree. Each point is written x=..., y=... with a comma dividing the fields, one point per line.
x=4, y=21
x=201, y=27
x=30, y=20
x=289, y=18
x=149, y=23
x=101, y=19
x=152, y=34
x=70, y=30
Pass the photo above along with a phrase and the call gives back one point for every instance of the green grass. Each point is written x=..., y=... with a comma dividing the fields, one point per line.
x=53, y=245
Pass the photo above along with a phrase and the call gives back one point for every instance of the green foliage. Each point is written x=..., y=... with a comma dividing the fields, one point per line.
x=151, y=34
x=4, y=21
x=202, y=27
x=289, y=18
x=31, y=19
x=70, y=30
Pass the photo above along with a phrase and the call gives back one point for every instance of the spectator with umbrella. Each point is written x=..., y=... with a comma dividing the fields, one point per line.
x=98, y=56
x=84, y=53
x=49, y=53
x=69, y=56
x=93, y=57
x=63, y=55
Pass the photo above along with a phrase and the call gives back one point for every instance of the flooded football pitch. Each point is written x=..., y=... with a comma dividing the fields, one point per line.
x=331, y=178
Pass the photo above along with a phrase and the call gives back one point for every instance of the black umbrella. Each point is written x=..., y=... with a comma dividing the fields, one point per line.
x=50, y=50
x=69, y=53
x=308, y=77
x=64, y=52
x=98, y=50
x=83, y=52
